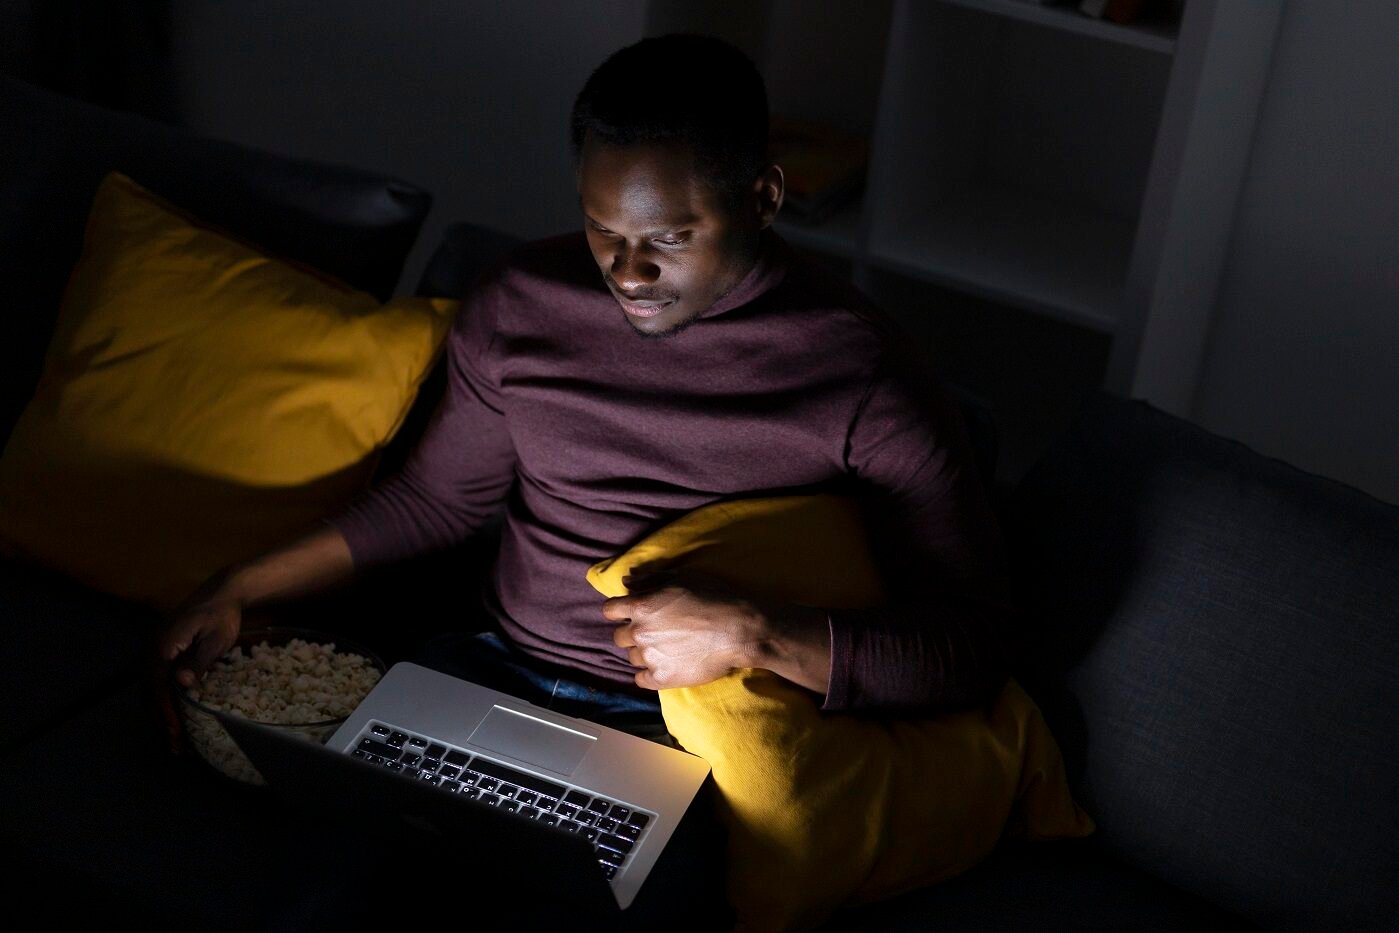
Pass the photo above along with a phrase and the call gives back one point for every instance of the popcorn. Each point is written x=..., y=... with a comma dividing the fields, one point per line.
x=301, y=684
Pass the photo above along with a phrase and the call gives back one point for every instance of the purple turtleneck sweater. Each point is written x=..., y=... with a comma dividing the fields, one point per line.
x=593, y=436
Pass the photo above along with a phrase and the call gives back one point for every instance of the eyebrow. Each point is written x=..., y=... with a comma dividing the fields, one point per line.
x=664, y=227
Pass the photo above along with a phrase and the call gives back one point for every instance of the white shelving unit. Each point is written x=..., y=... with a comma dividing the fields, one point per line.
x=1060, y=164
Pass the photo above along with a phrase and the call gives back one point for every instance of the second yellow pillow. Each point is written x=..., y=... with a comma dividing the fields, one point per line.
x=824, y=809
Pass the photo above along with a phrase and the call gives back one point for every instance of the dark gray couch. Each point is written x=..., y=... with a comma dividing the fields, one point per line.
x=1211, y=634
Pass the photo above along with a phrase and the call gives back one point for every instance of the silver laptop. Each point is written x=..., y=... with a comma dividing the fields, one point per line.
x=622, y=794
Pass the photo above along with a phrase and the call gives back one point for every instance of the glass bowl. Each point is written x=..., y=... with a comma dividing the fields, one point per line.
x=204, y=733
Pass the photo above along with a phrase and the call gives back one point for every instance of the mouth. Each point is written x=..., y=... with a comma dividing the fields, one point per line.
x=643, y=308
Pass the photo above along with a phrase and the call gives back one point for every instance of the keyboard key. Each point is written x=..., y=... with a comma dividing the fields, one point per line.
x=468, y=777
x=619, y=813
x=607, y=824
x=586, y=817
x=411, y=760
x=470, y=793
x=567, y=810
x=639, y=820
x=510, y=775
x=410, y=772
x=448, y=772
x=600, y=806
x=506, y=790
x=615, y=843
x=435, y=751
x=486, y=783
x=430, y=764
x=371, y=747
x=397, y=739
x=510, y=806
x=588, y=833
x=628, y=830
x=609, y=870
x=360, y=754
x=449, y=786
x=546, y=803
x=577, y=799
x=549, y=819
x=393, y=766
x=457, y=758
x=527, y=796
x=380, y=730
x=610, y=857
x=491, y=800
x=428, y=778
x=374, y=759
x=415, y=742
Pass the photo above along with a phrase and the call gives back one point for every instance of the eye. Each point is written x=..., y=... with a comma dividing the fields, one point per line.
x=670, y=241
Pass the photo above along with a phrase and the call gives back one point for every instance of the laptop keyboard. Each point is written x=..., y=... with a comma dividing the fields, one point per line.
x=613, y=827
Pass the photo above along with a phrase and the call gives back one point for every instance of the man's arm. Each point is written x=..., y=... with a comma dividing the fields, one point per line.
x=934, y=647
x=937, y=644
x=209, y=622
x=456, y=478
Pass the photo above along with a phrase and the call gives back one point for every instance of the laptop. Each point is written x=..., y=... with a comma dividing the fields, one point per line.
x=585, y=806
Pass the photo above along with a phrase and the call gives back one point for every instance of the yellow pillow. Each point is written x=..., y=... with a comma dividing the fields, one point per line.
x=825, y=809
x=200, y=402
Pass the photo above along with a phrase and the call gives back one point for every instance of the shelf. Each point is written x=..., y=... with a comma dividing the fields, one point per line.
x=1154, y=37
x=1043, y=255
x=838, y=235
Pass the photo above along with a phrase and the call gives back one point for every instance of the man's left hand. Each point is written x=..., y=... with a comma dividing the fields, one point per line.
x=683, y=630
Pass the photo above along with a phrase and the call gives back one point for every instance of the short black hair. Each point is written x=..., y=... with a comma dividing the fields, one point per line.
x=698, y=91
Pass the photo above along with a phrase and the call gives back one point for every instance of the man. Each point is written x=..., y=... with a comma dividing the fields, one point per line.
x=672, y=355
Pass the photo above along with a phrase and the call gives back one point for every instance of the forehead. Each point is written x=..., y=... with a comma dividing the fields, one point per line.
x=643, y=185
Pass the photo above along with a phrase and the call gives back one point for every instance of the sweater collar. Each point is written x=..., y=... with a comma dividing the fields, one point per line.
x=774, y=256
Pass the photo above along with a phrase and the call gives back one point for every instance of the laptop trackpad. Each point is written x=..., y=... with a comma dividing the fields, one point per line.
x=540, y=743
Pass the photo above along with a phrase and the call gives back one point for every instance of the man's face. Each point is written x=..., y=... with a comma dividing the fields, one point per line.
x=666, y=245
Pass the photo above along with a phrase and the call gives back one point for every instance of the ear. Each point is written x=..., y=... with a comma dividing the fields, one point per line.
x=768, y=191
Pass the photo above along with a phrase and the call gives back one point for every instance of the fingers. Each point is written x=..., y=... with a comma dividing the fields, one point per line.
x=206, y=649
x=618, y=608
x=645, y=681
x=176, y=639
x=623, y=636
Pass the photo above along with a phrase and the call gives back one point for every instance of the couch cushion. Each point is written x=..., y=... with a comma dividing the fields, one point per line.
x=1042, y=886
x=65, y=644
x=1215, y=641
x=54, y=151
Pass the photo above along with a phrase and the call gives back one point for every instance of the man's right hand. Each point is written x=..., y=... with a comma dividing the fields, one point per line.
x=208, y=623
x=202, y=632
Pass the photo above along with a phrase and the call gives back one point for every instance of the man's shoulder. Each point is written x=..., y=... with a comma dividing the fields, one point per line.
x=852, y=319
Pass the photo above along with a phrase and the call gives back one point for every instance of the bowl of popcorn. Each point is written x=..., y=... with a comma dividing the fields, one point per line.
x=304, y=682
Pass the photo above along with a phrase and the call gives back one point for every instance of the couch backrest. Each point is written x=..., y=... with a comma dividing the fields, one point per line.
x=1214, y=637
x=354, y=225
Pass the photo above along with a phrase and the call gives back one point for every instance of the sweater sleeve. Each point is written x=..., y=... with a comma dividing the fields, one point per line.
x=936, y=644
x=457, y=477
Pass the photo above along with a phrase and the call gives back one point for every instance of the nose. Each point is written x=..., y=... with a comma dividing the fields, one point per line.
x=632, y=271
